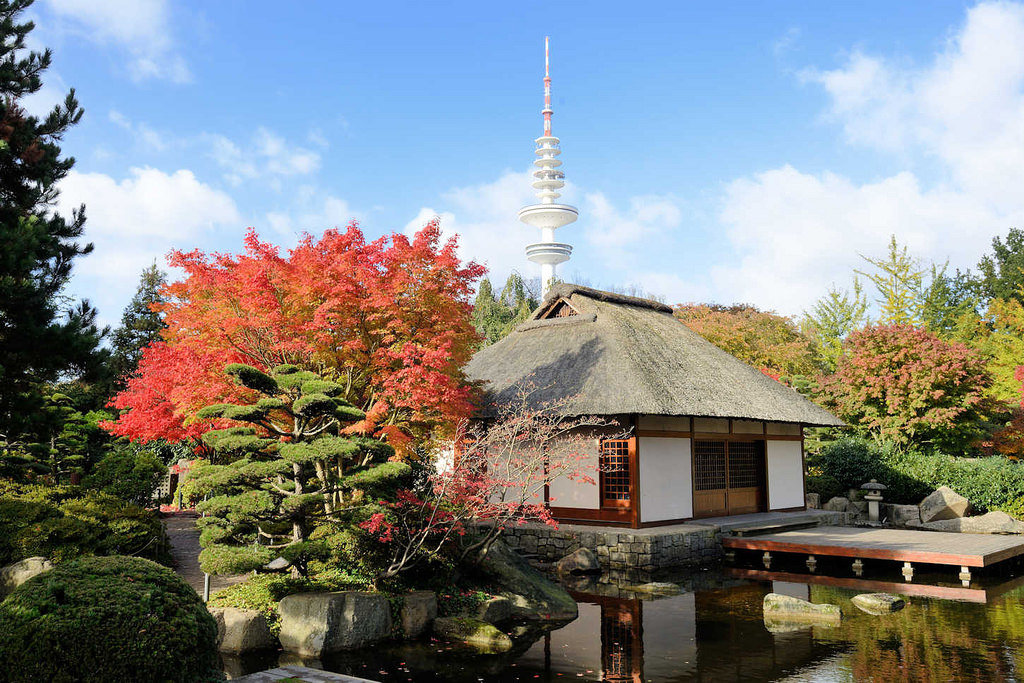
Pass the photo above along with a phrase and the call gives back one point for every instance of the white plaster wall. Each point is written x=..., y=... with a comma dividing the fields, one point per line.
x=568, y=493
x=666, y=488
x=785, y=474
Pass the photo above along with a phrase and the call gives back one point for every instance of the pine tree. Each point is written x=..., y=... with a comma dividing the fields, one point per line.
x=495, y=317
x=140, y=325
x=39, y=342
x=1002, y=272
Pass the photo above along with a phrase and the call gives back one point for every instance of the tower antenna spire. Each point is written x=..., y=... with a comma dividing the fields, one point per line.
x=547, y=215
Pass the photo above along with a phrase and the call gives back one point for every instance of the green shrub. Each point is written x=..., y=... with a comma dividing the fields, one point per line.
x=107, y=619
x=130, y=474
x=62, y=522
x=990, y=483
x=264, y=591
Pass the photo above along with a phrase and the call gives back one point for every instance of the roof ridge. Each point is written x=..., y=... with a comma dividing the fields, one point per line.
x=566, y=289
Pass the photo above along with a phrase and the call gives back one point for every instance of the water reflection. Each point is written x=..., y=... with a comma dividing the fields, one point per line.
x=713, y=630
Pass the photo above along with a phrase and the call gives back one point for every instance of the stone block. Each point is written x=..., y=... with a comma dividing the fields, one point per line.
x=903, y=515
x=241, y=630
x=13, y=575
x=812, y=501
x=318, y=623
x=995, y=522
x=582, y=561
x=418, y=613
x=837, y=504
x=495, y=611
x=943, y=503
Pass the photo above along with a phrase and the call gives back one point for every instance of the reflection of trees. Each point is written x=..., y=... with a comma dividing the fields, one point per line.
x=933, y=640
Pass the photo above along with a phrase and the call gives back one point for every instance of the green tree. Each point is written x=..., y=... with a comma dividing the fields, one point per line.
x=140, y=325
x=283, y=468
x=899, y=280
x=39, y=342
x=833, y=317
x=950, y=303
x=1002, y=271
x=495, y=317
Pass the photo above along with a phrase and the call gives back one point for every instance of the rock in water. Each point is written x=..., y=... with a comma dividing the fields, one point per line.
x=473, y=632
x=318, y=623
x=418, y=612
x=582, y=561
x=532, y=595
x=13, y=575
x=241, y=630
x=785, y=608
x=943, y=503
x=495, y=610
x=655, y=588
x=878, y=603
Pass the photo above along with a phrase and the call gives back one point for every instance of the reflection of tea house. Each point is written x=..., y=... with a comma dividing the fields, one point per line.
x=708, y=434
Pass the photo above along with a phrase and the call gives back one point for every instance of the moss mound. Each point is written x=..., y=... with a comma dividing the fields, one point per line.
x=107, y=619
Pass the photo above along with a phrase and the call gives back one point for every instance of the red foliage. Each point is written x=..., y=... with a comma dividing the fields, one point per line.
x=389, y=319
x=905, y=384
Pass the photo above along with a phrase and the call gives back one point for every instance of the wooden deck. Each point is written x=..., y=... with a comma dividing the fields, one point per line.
x=929, y=547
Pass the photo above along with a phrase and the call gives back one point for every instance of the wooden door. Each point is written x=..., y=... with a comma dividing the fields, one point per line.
x=728, y=477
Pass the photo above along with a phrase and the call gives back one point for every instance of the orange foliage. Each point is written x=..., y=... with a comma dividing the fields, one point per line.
x=388, y=319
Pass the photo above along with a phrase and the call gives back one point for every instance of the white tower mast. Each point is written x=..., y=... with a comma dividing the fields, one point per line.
x=548, y=216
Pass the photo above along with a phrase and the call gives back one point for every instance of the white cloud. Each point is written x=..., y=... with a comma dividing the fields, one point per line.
x=141, y=27
x=137, y=220
x=144, y=134
x=961, y=117
x=324, y=213
x=267, y=155
x=611, y=229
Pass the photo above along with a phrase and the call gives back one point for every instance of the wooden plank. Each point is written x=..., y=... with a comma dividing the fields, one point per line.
x=969, y=550
x=978, y=595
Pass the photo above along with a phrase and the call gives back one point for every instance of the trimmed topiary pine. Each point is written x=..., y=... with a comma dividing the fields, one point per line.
x=107, y=619
x=286, y=463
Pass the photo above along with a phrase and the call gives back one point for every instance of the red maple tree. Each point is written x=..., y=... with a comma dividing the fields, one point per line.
x=388, y=319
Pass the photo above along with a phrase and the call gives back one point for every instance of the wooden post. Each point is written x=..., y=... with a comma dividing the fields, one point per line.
x=812, y=563
x=858, y=567
x=767, y=559
x=965, y=576
x=908, y=572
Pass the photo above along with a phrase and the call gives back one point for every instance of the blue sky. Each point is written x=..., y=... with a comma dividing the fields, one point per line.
x=744, y=152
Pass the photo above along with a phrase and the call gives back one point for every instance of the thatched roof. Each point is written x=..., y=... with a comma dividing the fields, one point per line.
x=621, y=355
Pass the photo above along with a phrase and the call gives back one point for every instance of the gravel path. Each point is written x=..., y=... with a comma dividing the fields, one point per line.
x=181, y=529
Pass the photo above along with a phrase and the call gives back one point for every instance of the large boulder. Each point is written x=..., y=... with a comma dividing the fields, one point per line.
x=477, y=634
x=13, y=575
x=495, y=611
x=533, y=596
x=837, y=504
x=943, y=503
x=878, y=603
x=786, y=608
x=318, y=623
x=995, y=522
x=581, y=561
x=904, y=515
x=418, y=613
x=241, y=630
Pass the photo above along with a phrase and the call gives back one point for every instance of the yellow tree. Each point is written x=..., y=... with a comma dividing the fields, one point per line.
x=899, y=279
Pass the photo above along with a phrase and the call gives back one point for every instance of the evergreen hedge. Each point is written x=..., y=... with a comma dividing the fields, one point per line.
x=990, y=483
x=108, y=619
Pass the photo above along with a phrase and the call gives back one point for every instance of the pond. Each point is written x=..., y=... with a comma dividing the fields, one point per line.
x=712, y=630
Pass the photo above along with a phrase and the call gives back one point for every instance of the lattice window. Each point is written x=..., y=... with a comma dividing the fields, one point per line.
x=617, y=639
x=615, y=469
x=744, y=460
x=709, y=460
x=562, y=309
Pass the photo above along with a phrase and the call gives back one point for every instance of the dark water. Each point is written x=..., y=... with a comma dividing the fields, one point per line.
x=713, y=630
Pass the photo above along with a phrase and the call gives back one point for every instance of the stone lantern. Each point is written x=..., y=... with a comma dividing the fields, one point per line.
x=873, y=497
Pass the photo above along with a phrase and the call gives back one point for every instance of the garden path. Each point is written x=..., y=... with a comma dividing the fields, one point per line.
x=181, y=529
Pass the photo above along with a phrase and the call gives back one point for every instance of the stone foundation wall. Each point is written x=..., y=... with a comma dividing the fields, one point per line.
x=621, y=548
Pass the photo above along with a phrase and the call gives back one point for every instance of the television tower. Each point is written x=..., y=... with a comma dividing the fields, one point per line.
x=547, y=215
